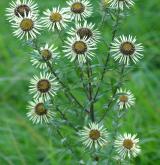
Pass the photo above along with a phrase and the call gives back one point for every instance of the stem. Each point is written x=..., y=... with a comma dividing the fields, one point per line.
x=62, y=84
x=67, y=145
x=108, y=56
x=81, y=75
x=117, y=122
x=59, y=35
x=66, y=119
x=114, y=94
x=90, y=91
x=103, y=19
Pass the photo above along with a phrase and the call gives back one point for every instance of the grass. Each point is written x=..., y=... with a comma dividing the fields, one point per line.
x=21, y=143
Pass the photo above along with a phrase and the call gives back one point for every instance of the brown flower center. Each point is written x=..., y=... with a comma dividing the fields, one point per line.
x=21, y=9
x=128, y=143
x=123, y=98
x=43, y=86
x=79, y=47
x=46, y=54
x=94, y=134
x=127, y=48
x=26, y=24
x=40, y=109
x=85, y=32
x=55, y=17
x=77, y=8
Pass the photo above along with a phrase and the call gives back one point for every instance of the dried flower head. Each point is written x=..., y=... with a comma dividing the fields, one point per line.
x=125, y=49
x=104, y=3
x=21, y=8
x=55, y=19
x=120, y=4
x=127, y=145
x=44, y=86
x=27, y=26
x=39, y=111
x=93, y=136
x=87, y=30
x=125, y=98
x=79, y=9
x=46, y=54
x=79, y=49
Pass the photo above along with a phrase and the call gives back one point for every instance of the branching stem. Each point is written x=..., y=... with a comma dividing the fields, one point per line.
x=90, y=91
x=108, y=56
x=67, y=90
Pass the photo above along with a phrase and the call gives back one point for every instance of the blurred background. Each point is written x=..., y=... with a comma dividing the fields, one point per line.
x=21, y=143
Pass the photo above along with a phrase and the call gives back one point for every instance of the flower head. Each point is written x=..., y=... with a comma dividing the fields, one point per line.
x=125, y=98
x=104, y=4
x=21, y=8
x=93, y=136
x=79, y=49
x=39, y=111
x=47, y=53
x=27, y=26
x=44, y=86
x=127, y=145
x=87, y=30
x=55, y=19
x=79, y=9
x=120, y=4
x=125, y=49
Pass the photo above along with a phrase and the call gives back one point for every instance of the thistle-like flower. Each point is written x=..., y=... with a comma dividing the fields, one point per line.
x=79, y=9
x=87, y=30
x=93, y=136
x=55, y=19
x=27, y=26
x=39, y=111
x=104, y=4
x=21, y=8
x=125, y=98
x=46, y=54
x=44, y=86
x=127, y=146
x=120, y=4
x=125, y=49
x=79, y=49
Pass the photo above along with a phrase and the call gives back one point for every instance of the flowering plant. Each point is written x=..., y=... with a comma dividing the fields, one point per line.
x=77, y=87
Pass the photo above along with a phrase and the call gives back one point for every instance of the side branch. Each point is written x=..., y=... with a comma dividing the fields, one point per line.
x=61, y=83
x=119, y=84
x=108, y=57
x=90, y=91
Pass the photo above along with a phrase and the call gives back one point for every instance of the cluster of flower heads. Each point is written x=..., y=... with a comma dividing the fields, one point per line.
x=42, y=88
x=95, y=135
x=81, y=43
x=79, y=46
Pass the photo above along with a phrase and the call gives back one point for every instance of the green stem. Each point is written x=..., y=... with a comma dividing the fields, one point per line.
x=64, y=117
x=67, y=90
x=108, y=57
x=90, y=91
x=81, y=75
x=63, y=85
x=66, y=144
x=119, y=84
x=116, y=123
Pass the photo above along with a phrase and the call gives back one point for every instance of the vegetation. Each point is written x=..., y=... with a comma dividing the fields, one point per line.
x=21, y=143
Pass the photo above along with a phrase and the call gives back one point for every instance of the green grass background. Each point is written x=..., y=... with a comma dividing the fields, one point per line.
x=21, y=143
